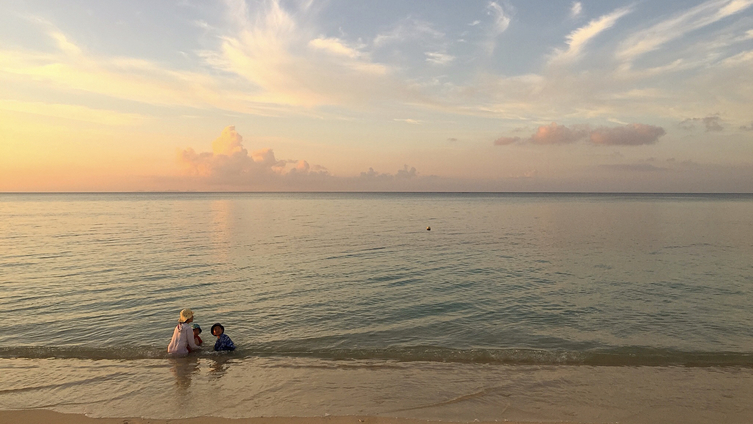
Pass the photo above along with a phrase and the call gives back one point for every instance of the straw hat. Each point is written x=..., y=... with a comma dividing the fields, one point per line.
x=185, y=315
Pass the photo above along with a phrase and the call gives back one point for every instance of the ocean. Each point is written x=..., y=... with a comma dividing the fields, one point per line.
x=634, y=308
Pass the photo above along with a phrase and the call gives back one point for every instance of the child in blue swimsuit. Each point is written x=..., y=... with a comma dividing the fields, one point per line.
x=223, y=340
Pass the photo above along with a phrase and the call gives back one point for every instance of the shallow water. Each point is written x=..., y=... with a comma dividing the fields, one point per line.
x=230, y=387
x=598, y=284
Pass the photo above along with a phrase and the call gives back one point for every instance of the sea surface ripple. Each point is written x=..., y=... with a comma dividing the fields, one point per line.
x=500, y=278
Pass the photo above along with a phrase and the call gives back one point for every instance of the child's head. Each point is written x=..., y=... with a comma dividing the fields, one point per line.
x=196, y=330
x=218, y=329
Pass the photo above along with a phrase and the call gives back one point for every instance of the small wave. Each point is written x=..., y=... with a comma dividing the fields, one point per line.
x=70, y=352
x=626, y=356
x=633, y=356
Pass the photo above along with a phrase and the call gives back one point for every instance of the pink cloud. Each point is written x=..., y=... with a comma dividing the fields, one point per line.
x=230, y=166
x=557, y=134
x=302, y=166
x=503, y=141
x=402, y=174
x=407, y=173
x=628, y=135
x=230, y=163
x=711, y=123
x=228, y=143
x=637, y=167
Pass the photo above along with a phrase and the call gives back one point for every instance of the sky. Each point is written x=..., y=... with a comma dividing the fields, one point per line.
x=350, y=95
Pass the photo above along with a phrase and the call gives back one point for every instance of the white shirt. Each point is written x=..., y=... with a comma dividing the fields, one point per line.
x=182, y=339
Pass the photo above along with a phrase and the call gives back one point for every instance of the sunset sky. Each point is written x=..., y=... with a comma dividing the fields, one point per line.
x=424, y=95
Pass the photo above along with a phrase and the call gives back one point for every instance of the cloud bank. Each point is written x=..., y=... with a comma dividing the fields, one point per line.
x=230, y=163
x=554, y=134
x=629, y=135
x=230, y=166
x=711, y=123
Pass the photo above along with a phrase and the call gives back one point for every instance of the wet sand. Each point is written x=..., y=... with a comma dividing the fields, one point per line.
x=39, y=416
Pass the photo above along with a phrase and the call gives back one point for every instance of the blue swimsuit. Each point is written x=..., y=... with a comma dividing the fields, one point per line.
x=224, y=343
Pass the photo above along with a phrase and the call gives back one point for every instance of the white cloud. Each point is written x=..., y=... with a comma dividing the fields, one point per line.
x=334, y=46
x=697, y=17
x=438, y=58
x=578, y=39
x=742, y=58
x=409, y=29
x=74, y=69
x=501, y=19
x=266, y=50
x=64, y=44
x=576, y=9
x=275, y=60
x=72, y=112
x=500, y=22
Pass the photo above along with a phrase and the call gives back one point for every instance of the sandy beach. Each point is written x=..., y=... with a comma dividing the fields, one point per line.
x=46, y=417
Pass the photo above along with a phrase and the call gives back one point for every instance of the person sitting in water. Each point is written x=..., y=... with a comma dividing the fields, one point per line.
x=196, y=332
x=223, y=340
x=183, y=341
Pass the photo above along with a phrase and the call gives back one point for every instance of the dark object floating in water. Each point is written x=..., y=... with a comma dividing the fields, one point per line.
x=428, y=228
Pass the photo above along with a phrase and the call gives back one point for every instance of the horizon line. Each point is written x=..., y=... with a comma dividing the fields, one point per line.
x=377, y=192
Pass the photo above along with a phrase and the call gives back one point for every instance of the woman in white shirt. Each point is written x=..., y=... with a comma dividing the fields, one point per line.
x=182, y=341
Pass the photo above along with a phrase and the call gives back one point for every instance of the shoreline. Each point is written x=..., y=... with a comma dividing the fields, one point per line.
x=45, y=416
x=304, y=391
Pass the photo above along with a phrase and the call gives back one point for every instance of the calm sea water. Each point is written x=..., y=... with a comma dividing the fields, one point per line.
x=525, y=289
